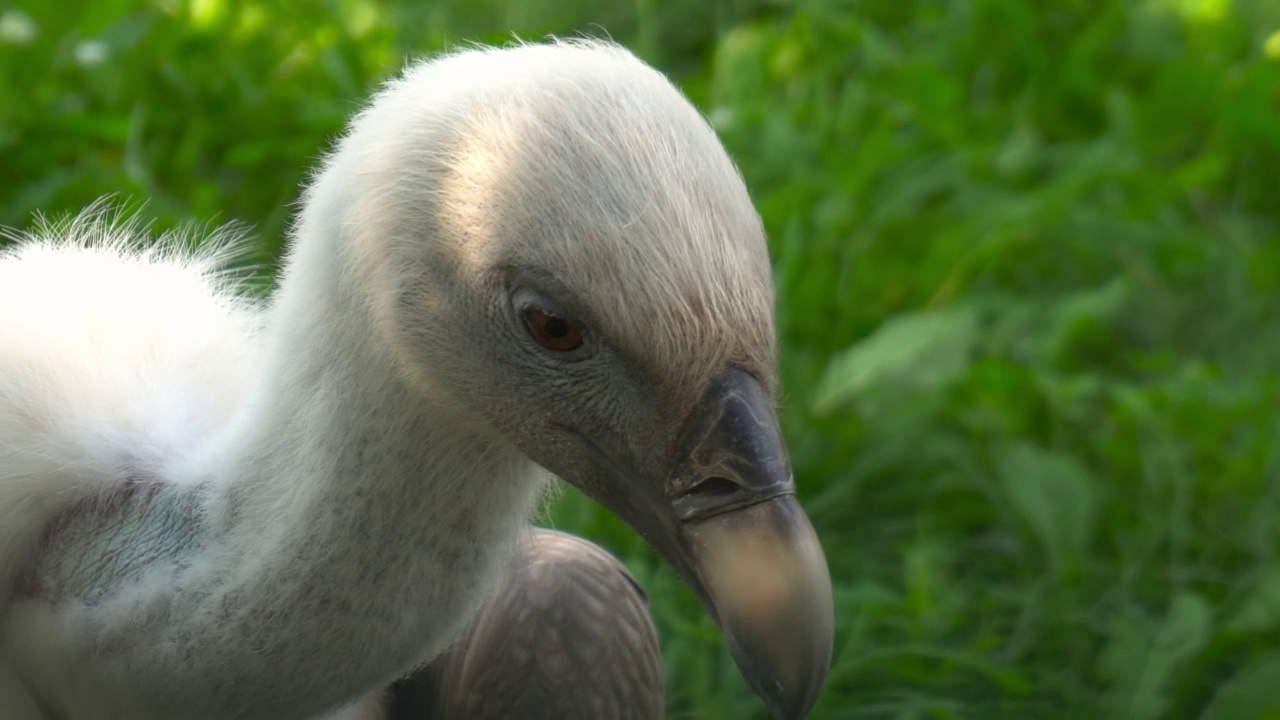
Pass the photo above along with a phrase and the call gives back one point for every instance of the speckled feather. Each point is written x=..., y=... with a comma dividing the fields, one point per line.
x=567, y=636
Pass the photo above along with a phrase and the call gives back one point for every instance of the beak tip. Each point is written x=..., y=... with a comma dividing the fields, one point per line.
x=771, y=592
x=788, y=676
x=793, y=703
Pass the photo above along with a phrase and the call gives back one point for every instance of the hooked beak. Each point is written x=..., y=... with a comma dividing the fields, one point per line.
x=728, y=520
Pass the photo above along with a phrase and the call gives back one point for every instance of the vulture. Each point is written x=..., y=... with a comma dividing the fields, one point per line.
x=514, y=263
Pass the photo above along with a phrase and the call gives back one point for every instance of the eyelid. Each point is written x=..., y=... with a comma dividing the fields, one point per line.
x=548, y=291
x=524, y=297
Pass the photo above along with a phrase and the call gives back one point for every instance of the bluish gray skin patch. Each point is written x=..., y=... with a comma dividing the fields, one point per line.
x=103, y=543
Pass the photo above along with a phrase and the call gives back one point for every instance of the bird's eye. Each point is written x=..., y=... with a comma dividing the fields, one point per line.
x=552, y=331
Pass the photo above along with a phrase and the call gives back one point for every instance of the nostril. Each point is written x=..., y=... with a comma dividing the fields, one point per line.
x=707, y=496
x=714, y=487
x=714, y=495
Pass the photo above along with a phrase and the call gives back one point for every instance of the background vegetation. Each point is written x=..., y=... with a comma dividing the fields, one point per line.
x=1026, y=254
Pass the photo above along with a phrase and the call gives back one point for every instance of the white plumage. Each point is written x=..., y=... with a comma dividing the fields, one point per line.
x=116, y=361
x=115, y=357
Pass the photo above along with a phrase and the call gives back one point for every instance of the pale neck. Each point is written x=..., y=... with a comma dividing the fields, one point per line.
x=334, y=418
x=346, y=489
x=348, y=528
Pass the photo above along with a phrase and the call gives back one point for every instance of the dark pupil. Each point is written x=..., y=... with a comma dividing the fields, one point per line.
x=556, y=327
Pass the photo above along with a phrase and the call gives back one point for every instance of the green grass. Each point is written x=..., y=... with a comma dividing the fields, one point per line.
x=1026, y=254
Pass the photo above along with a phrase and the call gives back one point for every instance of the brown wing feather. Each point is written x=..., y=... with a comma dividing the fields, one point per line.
x=568, y=636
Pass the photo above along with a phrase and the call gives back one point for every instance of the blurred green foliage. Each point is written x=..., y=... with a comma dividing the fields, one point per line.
x=1025, y=254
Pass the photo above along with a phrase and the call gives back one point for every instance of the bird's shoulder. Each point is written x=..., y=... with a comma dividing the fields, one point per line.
x=118, y=352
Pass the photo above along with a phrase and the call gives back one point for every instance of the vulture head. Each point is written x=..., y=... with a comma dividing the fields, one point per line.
x=566, y=255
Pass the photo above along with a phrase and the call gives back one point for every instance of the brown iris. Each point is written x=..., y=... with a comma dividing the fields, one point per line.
x=552, y=331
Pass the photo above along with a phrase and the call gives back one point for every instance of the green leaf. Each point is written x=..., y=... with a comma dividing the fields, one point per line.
x=1043, y=331
x=1254, y=692
x=915, y=352
x=1071, y=316
x=1055, y=496
x=1141, y=669
x=1260, y=610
